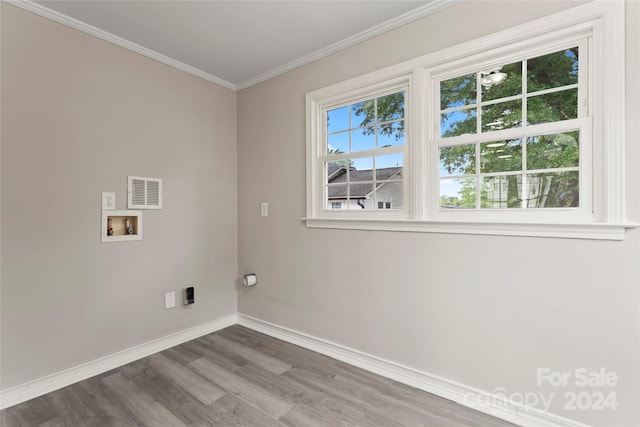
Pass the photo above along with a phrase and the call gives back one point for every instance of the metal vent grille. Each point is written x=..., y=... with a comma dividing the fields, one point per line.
x=153, y=193
x=144, y=193
x=137, y=192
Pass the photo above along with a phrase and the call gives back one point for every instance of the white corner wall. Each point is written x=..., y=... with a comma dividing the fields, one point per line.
x=484, y=311
x=78, y=116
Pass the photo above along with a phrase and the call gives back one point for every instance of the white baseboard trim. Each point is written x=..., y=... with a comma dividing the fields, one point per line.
x=490, y=403
x=32, y=389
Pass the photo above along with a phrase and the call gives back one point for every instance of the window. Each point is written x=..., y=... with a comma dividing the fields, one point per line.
x=521, y=134
x=511, y=136
x=364, y=145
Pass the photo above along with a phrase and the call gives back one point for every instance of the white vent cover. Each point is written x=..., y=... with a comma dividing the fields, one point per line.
x=144, y=193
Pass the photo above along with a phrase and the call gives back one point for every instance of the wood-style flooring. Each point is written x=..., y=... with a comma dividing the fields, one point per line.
x=239, y=377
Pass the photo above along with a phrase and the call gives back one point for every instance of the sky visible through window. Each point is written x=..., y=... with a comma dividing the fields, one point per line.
x=368, y=125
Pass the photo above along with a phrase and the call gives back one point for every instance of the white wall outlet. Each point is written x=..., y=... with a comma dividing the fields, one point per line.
x=169, y=300
x=108, y=201
x=264, y=209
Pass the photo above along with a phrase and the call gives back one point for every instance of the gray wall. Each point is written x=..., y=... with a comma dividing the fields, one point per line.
x=485, y=311
x=78, y=116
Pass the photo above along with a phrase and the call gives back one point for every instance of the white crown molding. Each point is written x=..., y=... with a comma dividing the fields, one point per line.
x=63, y=19
x=480, y=400
x=389, y=25
x=33, y=389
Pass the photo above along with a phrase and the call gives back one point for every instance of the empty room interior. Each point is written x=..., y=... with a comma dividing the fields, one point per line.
x=322, y=213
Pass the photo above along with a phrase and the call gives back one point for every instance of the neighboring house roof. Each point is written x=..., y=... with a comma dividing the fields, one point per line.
x=337, y=174
x=333, y=169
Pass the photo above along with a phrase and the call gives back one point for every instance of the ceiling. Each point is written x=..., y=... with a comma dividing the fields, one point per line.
x=234, y=43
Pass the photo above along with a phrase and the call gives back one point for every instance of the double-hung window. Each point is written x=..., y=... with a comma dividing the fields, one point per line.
x=361, y=148
x=520, y=133
x=512, y=139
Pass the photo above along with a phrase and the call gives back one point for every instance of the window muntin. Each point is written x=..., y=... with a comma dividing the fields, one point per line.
x=366, y=125
x=365, y=150
x=540, y=89
x=532, y=107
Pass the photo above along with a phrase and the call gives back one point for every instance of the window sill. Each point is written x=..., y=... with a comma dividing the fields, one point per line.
x=594, y=231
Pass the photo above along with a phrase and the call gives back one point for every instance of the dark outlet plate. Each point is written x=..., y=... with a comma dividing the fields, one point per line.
x=189, y=295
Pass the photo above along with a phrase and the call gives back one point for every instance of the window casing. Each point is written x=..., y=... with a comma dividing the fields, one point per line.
x=361, y=143
x=566, y=174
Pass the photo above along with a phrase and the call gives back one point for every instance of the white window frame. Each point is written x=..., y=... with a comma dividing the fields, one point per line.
x=583, y=123
x=603, y=217
x=317, y=108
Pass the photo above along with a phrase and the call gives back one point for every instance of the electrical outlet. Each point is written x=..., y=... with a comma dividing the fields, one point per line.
x=108, y=201
x=169, y=300
x=264, y=209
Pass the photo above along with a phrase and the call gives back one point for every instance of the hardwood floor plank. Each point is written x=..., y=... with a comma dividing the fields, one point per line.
x=368, y=414
x=105, y=403
x=419, y=412
x=159, y=387
x=56, y=422
x=74, y=407
x=243, y=413
x=197, y=414
x=411, y=407
x=226, y=359
x=32, y=413
x=182, y=353
x=165, y=392
x=289, y=353
x=318, y=406
x=194, y=384
x=301, y=416
x=252, y=393
x=137, y=401
x=280, y=385
x=229, y=410
x=270, y=363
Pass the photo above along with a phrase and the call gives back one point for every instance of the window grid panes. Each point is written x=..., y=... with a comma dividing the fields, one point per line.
x=364, y=161
x=497, y=98
x=525, y=166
